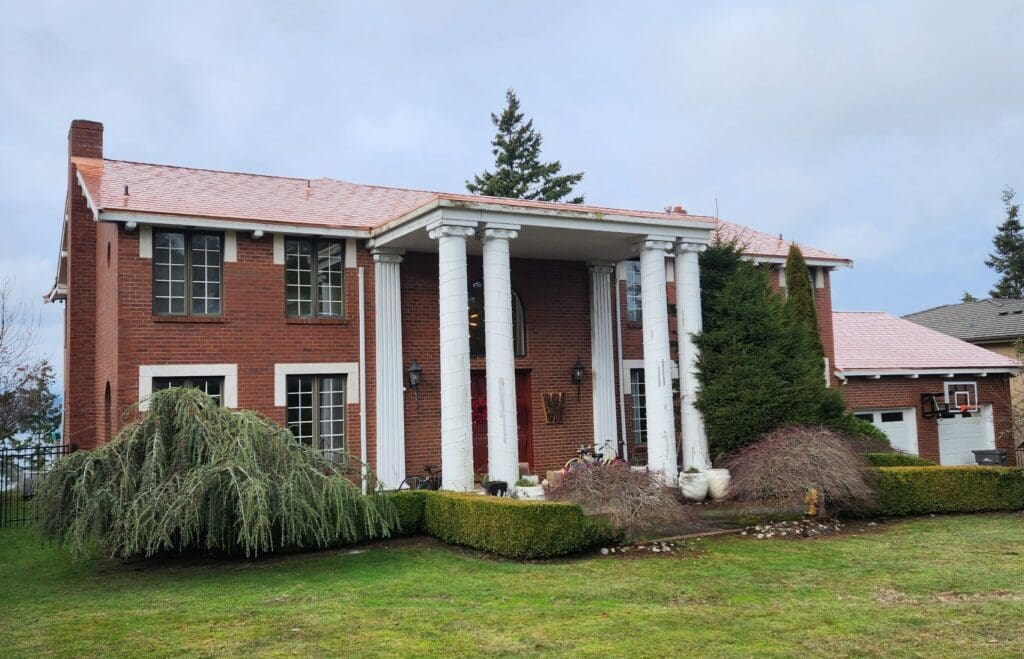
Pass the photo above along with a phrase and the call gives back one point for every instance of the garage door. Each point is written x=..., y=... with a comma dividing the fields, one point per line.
x=959, y=436
x=899, y=424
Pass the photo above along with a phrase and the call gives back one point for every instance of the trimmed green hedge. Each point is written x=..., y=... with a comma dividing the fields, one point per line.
x=409, y=507
x=509, y=527
x=895, y=460
x=926, y=490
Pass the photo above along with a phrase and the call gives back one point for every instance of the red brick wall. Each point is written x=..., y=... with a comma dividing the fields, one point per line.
x=887, y=393
x=253, y=331
x=556, y=302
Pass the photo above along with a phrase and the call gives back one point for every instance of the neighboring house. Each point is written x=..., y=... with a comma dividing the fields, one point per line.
x=340, y=311
x=993, y=324
x=896, y=374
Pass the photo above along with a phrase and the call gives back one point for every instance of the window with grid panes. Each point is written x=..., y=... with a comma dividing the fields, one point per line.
x=314, y=277
x=187, y=273
x=639, y=400
x=316, y=412
x=212, y=386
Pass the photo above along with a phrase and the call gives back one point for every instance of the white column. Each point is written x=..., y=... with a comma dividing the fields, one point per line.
x=602, y=359
x=661, y=425
x=456, y=417
x=689, y=322
x=502, y=425
x=390, y=369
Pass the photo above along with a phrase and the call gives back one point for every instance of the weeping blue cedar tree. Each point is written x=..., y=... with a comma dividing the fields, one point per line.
x=190, y=475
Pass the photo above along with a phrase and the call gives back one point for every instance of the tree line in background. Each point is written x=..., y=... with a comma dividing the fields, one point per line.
x=30, y=411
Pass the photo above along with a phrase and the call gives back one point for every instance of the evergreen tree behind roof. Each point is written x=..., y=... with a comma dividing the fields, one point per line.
x=518, y=171
x=1008, y=257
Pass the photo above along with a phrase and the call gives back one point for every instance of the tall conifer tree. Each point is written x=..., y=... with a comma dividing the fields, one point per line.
x=1008, y=257
x=518, y=172
x=800, y=297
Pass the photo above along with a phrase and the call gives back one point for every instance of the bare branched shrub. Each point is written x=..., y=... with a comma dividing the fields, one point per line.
x=636, y=503
x=786, y=463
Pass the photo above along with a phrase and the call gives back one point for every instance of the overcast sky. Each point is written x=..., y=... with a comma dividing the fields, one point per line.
x=880, y=131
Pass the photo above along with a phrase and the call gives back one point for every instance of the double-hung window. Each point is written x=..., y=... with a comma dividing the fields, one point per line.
x=212, y=386
x=639, y=400
x=634, y=305
x=313, y=277
x=187, y=273
x=316, y=412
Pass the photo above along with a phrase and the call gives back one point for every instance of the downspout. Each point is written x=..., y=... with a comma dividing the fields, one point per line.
x=622, y=387
x=362, y=382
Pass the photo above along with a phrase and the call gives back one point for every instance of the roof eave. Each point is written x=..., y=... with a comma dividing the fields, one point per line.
x=844, y=373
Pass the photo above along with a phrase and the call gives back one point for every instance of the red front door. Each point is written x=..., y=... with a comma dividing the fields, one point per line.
x=524, y=418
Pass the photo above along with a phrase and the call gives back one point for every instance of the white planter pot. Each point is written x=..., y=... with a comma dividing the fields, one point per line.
x=535, y=492
x=718, y=483
x=694, y=486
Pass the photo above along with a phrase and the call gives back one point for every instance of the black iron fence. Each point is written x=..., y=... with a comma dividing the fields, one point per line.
x=20, y=472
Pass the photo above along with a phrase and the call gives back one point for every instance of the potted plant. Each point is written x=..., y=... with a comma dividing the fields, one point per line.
x=529, y=489
x=694, y=484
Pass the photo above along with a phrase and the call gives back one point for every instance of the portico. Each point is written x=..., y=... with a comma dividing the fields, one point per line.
x=497, y=237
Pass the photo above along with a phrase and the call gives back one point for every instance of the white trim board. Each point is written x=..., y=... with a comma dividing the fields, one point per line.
x=227, y=224
x=349, y=369
x=843, y=374
x=227, y=371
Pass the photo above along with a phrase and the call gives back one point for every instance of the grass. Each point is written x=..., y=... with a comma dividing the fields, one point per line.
x=943, y=586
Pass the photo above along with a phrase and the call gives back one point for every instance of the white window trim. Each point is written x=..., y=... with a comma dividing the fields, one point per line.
x=278, y=249
x=350, y=253
x=349, y=369
x=145, y=242
x=227, y=371
x=230, y=247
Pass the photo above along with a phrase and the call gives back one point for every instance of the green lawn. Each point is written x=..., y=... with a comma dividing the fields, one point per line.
x=940, y=587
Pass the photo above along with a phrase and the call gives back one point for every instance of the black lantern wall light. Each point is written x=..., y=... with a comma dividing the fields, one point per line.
x=578, y=371
x=415, y=371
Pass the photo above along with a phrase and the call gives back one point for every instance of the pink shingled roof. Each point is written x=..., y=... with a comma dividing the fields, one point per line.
x=164, y=189
x=873, y=340
x=759, y=243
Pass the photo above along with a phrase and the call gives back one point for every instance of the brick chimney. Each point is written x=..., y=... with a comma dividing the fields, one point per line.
x=85, y=139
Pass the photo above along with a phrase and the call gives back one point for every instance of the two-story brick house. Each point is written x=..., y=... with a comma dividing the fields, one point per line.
x=312, y=300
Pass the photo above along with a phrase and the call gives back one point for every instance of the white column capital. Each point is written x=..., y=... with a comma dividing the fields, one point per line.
x=653, y=243
x=684, y=247
x=601, y=267
x=451, y=229
x=494, y=231
x=387, y=255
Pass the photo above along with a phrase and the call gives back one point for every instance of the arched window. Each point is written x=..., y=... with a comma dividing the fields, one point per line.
x=477, y=340
x=108, y=414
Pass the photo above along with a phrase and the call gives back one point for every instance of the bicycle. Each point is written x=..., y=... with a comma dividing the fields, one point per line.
x=586, y=457
x=432, y=481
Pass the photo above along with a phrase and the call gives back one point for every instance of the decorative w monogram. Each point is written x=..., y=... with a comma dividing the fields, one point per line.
x=554, y=407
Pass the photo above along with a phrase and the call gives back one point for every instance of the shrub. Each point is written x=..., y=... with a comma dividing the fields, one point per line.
x=635, y=503
x=409, y=509
x=928, y=490
x=191, y=475
x=758, y=369
x=895, y=459
x=509, y=527
x=785, y=464
x=862, y=436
